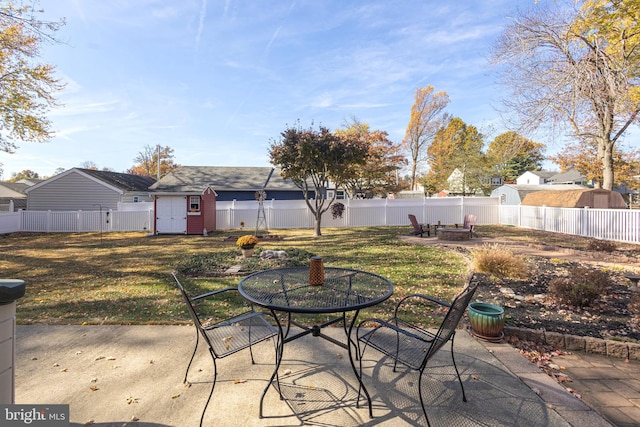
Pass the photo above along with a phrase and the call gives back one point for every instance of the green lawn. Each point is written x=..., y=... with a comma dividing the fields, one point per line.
x=124, y=278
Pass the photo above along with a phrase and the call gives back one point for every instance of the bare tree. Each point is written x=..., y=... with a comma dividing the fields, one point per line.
x=569, y=71
x=427, y=116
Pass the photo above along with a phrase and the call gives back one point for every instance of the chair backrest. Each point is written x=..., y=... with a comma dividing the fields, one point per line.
x=469, y=221
x=192, y=312
x=414, y=222
x=453, y=316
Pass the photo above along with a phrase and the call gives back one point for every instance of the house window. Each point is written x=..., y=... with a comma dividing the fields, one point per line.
x=330, y=194
x=194, y=203
x=136, y=199
x=340, y=195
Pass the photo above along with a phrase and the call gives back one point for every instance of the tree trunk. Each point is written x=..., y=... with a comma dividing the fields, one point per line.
x=318, y=231
x=414, y=167
x=606, y=152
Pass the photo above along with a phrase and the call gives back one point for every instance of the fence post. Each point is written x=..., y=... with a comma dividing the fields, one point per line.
x=584, y=229
x=48, y=221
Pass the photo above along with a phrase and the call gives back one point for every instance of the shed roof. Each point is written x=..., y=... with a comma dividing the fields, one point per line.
x=195, y=179
x=571, y=198
x=523, y=190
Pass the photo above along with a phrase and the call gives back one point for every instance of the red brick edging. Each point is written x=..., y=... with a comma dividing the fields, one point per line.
x=620, y=349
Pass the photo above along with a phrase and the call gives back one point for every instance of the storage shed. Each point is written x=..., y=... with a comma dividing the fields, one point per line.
x=592, y=197
x=512, y=194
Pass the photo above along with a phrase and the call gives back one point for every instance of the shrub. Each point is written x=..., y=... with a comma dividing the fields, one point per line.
x=581, y=288
x=336, y=210
x=498, y=261
x=247, y=242
x=601, y=245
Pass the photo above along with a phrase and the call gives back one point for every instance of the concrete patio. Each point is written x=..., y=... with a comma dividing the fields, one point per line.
x=132, y=375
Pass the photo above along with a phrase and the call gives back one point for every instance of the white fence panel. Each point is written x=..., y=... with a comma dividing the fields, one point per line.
x=135, y=207
x=9, y=222
x=611, y=224
x=81, y=221
x=131, y=220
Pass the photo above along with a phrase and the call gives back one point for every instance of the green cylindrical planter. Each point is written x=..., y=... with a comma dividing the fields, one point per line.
x=487, y=320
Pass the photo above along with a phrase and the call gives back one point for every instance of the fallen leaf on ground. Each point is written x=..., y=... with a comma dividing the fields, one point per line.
x=175, y=396
x=132, y=399
x=239, y=381
x=94, y=388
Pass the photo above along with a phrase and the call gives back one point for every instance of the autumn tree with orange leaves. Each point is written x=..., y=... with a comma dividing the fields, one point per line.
x=626, y=164
x=427, y=116
x=378, y=175
x=147, y=161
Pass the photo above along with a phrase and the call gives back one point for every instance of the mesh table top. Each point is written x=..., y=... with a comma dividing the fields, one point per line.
x=288, y=290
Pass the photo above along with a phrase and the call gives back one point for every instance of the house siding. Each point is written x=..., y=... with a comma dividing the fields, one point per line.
x=128, y=196
x=72, y=192
x=244, y=195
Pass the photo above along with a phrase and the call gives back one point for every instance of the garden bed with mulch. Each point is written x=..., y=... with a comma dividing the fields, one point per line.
x=528, y=303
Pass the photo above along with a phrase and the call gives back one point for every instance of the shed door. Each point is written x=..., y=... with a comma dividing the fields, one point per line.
x=171, y=215
x=600, y=201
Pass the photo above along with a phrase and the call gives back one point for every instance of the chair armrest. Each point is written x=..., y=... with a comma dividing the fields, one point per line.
x=421, y=296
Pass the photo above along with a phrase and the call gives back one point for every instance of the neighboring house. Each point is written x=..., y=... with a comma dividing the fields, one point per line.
x=571, y=176
x=511, y=194
x=597, y=198
x=86, y=189
x=12, y=196
x=535, y=177
x=185, y=199
x=456, y=179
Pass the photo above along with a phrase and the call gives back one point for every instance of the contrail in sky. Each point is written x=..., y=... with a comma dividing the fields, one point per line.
x=203, y=15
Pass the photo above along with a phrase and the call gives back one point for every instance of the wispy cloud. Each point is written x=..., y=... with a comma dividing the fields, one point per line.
x=202, y=17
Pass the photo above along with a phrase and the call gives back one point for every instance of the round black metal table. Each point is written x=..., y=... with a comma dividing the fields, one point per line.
x=287, y=290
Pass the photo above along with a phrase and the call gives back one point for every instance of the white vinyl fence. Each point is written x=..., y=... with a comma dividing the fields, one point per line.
x=359, y=213
x=621, y=225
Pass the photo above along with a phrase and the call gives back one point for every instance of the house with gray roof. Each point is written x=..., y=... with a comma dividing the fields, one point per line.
x=12, y=196
x=87, y=189
x=535, y=177
x=229, y=182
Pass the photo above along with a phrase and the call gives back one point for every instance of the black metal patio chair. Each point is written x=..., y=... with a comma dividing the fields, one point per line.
x=227, y=336
x=410, y=344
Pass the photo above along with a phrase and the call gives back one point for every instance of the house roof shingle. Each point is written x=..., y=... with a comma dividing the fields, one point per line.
x=123, y=181
x=195, y=179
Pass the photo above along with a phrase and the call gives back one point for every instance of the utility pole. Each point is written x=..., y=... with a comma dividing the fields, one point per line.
x=158, y=162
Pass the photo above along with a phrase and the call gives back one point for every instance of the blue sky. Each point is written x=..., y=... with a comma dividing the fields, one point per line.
x=217, y=80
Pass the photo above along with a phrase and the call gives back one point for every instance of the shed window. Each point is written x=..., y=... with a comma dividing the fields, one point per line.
x=194, y=203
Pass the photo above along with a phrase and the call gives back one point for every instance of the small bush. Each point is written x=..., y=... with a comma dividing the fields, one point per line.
x=601, y=245
x=498, y=261
x=581, y=288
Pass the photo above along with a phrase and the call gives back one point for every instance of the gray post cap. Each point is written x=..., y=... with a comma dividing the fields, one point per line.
x=11, y=290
